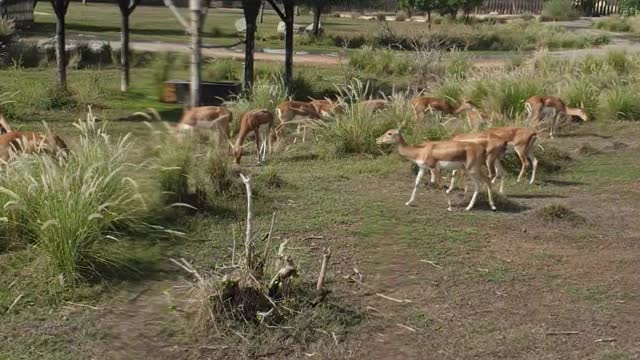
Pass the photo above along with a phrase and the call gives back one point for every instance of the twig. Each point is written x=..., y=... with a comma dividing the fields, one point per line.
x=432, y=263
x=266, y=247
x=562, y=333
x=314, y=237
x=247, y=243
x=393, y=299
x=335, y=338
x=233, y=250
x=14, y=303
x=83, y=305
x=286, y=272
x=605, y=340
x=407, y=327
x=376, y=310
x=323, y=269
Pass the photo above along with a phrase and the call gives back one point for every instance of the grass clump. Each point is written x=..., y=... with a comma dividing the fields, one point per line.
x=222, y=70
x=68, y=207
x=620, y=103
x=380, y=62
x=559, y=213
x=613, y=23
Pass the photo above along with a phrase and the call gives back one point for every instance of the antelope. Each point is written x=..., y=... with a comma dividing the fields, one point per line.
x=423, y=104
x=215, y=118
x=326, y=107
x=288, y=111
x=4, y=124
x=539, y=106
x=495, y=148
x=447, y=155
x=29, y=142
x=374, y=104
x=255, y=121
x=520, y=140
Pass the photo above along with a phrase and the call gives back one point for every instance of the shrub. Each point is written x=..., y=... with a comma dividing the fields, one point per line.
x=23, y=54
x=629, y=7
x=380, y=62
x=581, y=93
x=381, y=17
x=222, y=70
x=620, y=103
x=507, y=95
x=619, y=61
x=401, y=16
x=557, y=10
x=613, y=23
x=458, y=64
x=558, y=212
x=68, y=207
x=161, y=69
x=174, y=160
x=7, y=29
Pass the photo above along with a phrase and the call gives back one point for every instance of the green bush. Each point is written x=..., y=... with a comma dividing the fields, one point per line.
x=23, y=54
x=629, y=7
x=557, y=10
x=620, y=103
x=506, y=95
x=222, y=70
x=380, y=62
x=68, y=207
x=613, y=23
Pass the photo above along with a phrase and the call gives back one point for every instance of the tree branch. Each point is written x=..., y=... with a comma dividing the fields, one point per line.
x=132, y=6
x=176, y=13
x=277, y=9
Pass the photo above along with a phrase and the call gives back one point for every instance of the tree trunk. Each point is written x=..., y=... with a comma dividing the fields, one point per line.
x=124, y=52
x=196, y=55
x=262, y=11
x=288, y=40
x=61, y=55
x=250, y=16
x=429, y=19
x=317, y=12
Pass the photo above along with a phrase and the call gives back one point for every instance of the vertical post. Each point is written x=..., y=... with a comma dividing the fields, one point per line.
x=61, y=55
x=289, y=10
x=124, y=51
x=250, y=15
x=196, y=42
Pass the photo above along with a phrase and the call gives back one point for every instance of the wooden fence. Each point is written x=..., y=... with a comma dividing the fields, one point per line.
x=21, y=11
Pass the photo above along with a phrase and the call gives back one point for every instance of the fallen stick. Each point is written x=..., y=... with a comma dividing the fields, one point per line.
x=407, y=327
x=432, y=263
x=83, y=305
x=14, y=303
x=562, y=333
x=393, y=299
x=605, y=340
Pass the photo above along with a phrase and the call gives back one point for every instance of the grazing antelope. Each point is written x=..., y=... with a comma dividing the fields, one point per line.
x=255, y=121
x=375, y=104
x=216, y=118
x=495, y=148
x=326, y=107
x=540, y=106
x=289, y=111
x=522, y=141
x=447, y=155
x=422, y=104
x=29, y=142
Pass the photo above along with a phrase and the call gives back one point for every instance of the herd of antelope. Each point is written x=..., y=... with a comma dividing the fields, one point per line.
x=465, y=154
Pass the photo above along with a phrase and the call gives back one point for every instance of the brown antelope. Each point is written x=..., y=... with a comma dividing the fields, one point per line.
x=255, y=121
x=29, y=142
x=326, y=107
x=375, y=104
x=290, y=111
x=447, y=155
x=495, y=148
x=216, y=118
x=422, y=104
x=522, y=141
x=4, y=124
x=538, y=107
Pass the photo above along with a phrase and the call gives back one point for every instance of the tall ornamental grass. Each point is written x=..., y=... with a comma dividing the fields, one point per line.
x=68, y=206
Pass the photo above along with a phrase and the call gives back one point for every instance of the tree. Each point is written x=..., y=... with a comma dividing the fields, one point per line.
x=126, y=8
x=468, y=6
x=198, y=10
x=449, y=7
x=427, y=6
x=408, y=5
x=288, y=17
x=251, y=9
x=60, y=9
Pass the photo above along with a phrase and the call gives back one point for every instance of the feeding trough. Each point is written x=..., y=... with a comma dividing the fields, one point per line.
x=212, y=93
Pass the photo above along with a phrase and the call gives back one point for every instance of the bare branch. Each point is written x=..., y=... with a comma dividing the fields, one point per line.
x=266, y=246
x=178, y=16
x=247, y=242
x=432, y=263
x=393, y=299
x=562, y=333
x=277, y=9
x=323, y=269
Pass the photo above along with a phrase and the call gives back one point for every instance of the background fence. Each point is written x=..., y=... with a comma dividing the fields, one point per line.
x=21, y=11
